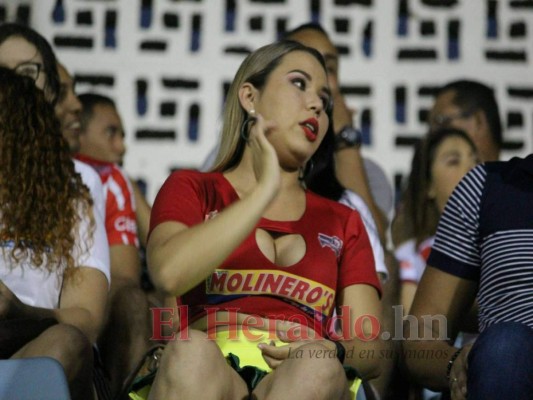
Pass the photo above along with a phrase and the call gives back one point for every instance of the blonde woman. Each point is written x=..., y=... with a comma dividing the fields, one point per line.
x=249, y=245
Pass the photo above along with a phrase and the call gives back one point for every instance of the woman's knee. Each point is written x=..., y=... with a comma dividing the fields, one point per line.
x=65, y=343
x=69, y=341
x=197, y=350
x=190, y=363
x=317, y=363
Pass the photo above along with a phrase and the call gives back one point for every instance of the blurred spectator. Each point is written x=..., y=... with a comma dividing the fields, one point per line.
x=470, y=106
x=102, y=147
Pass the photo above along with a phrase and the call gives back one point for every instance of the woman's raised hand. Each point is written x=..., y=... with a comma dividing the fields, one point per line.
x=265, y=159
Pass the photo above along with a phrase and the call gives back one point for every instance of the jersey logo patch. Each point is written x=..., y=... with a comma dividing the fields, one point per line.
x=333, y=242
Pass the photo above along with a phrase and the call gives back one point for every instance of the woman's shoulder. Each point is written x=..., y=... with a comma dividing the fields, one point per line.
x=195, y=176
x=188, y=181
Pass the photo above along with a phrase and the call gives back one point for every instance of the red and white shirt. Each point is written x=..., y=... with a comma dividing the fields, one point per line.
x=120, y=218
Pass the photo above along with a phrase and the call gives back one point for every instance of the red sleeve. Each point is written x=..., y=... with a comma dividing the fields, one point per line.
x=357, y=261
x=121, y=221
x=179, y=199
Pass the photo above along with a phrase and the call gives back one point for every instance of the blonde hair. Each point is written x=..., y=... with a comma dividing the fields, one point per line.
x=255, y=69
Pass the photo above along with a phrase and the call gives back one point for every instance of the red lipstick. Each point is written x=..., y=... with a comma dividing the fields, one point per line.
x=310, y=128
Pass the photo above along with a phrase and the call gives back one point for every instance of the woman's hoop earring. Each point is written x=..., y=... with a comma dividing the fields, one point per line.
x=245, y=128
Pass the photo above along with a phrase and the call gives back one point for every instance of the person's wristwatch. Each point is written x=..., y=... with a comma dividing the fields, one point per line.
x=348, y=137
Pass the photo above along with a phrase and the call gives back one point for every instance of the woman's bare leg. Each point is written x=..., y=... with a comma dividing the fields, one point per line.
x=72, y=349
x=314, y=375
x=196, y=369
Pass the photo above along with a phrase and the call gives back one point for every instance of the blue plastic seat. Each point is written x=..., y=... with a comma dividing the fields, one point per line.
x=39, y=378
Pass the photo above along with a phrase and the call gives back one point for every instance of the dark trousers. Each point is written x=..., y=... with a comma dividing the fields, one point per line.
x=500, y=364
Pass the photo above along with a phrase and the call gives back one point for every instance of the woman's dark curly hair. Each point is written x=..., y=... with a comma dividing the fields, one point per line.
x=42, y=198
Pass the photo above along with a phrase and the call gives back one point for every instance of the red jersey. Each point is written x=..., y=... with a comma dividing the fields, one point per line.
x=120, y=217
x=338, y=254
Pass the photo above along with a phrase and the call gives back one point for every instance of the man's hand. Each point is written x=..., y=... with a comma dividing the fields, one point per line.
x=458, y=374
x=342, y=114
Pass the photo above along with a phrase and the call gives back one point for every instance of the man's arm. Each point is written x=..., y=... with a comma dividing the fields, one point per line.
x=125, y=266
x=440, y=303
x=142, y=211
x=349, y=166
x=82, y=303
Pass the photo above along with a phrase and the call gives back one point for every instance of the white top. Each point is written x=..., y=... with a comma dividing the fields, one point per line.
x=355, y=202
x=39, y=288
x=412, y=259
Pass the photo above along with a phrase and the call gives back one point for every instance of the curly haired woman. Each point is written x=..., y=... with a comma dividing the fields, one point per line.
x=53, y=289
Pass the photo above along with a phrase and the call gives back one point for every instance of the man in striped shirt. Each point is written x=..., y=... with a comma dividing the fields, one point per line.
x=483, y=248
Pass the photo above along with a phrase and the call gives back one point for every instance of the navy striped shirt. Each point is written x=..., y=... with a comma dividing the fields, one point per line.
x=486, y=234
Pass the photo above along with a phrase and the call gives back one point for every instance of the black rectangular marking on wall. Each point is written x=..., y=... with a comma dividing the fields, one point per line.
x=23, y=14
x=518, y=29
x=110, y=19
x=104, y=80
x=84, y=17
x=512, y=145
x=428, y=91
x=427, y=28
x=356, y=90
x=521, y=4
x=79, y=42
x=520, y=92
x=171, y=20
x=256, y=23
x=314, y=7
x=367, y=3
x=514, y=119
x=440, y=3
x=417, y=54
x=167, y=109
x=423, y=115
x=158, y=134
x=342, y=25
x=506, y=55
x=343, y=50
x=281, y=26
x=407, y=140
x=237, y=50
x=153, y=45
x=179, y=83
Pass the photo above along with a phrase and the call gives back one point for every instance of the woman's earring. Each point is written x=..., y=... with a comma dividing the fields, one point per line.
x=245, y=130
